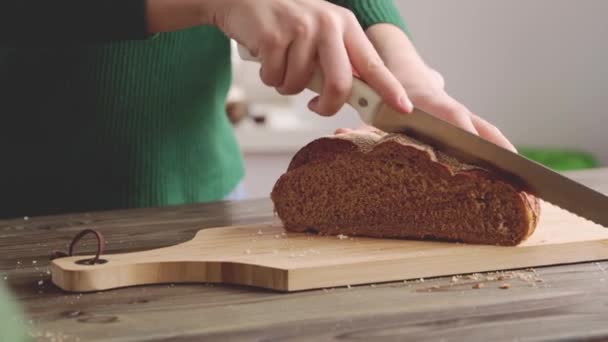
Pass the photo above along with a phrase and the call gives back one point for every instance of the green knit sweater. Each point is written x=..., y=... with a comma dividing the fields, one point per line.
x=97, y=114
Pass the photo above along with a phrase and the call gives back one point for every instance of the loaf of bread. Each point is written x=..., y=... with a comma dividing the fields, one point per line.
x=380, y=185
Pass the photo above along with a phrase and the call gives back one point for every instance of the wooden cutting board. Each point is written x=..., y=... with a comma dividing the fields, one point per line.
x=263, y=255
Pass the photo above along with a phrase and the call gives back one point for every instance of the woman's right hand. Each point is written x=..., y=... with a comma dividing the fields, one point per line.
x=294, y=37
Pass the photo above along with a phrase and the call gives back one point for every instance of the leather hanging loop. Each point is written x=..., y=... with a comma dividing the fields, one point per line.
x=78, y=237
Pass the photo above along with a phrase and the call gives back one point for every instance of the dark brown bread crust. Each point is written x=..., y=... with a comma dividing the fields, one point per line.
x=328, y=188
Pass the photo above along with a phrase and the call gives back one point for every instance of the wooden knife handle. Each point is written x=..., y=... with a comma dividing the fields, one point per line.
x=362, y=97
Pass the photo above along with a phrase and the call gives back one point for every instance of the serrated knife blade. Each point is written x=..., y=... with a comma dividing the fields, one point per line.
x=535, y=178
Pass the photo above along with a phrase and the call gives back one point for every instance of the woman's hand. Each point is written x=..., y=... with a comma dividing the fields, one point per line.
x=294, y=37
x=425, y=86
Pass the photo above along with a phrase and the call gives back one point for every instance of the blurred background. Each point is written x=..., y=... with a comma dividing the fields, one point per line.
x=536, y=69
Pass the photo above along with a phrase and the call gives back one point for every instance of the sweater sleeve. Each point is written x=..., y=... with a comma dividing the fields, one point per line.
x=51, y=22
x=370, y=12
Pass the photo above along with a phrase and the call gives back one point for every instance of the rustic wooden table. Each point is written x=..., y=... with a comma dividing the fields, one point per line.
x=569, y=302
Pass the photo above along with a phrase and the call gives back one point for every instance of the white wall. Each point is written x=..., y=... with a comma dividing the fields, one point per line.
x=538, y=69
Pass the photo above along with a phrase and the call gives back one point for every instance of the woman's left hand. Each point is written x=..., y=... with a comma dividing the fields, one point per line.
x=425, y=86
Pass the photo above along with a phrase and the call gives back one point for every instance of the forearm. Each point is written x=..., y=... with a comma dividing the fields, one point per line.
x=372, y=12
x=172, y=15
x=402, y=59
x=394, y=46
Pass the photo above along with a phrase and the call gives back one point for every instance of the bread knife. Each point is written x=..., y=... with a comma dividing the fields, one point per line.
x=531, y=176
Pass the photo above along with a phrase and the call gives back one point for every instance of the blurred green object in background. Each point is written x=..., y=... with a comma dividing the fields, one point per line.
x=12, y=326
x=560, y=159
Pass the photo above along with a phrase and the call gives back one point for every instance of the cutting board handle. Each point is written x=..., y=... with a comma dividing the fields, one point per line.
x=362, y=97
x=160, y=266
x=122, y=270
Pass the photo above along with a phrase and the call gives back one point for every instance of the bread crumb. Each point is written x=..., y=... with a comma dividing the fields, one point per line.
x=34, y=261
x=373, y=285
x=342, y=237
x=454, y=279
x=25, y=218
x=40, y=282
x=504, y=286
x=348, y=287
x=5, y=277
x=478, y=286
x=502, y=277
x=422, y=280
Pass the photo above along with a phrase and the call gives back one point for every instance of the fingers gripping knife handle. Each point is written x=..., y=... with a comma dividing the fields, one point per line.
x=316, y=83
x=362, y=98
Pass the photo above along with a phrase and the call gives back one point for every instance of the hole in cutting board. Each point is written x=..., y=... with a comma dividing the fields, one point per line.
x=88, y=262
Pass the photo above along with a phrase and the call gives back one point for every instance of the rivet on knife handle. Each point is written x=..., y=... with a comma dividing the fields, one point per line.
x=362, y=98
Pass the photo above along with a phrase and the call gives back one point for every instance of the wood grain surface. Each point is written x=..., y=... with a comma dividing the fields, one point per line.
x=265, y=255
x=543, y=304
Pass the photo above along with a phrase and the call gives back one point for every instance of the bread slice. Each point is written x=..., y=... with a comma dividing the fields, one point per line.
x=382, y=185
